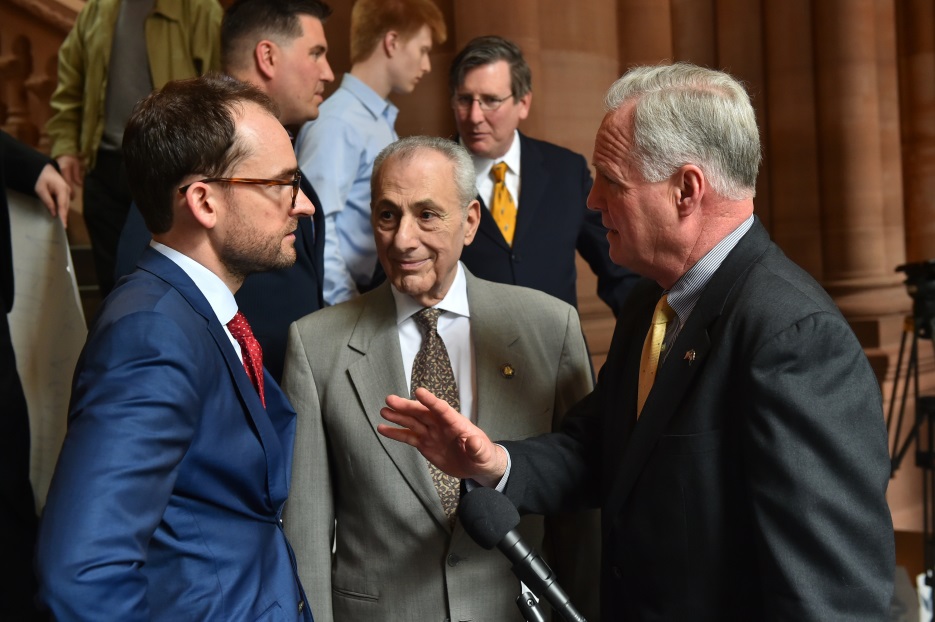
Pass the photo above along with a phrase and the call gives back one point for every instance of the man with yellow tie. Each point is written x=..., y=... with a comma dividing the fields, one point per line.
x=535, y=193
x=735, y=440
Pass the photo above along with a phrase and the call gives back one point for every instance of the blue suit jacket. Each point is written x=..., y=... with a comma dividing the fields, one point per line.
x=166, y=499
x=552, y=222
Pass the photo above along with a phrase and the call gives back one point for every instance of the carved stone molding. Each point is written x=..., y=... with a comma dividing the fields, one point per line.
x=59, y=13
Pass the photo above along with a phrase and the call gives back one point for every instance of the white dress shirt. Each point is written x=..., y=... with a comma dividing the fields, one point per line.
x=485, y=182
x=208, y=283
x=454, y=327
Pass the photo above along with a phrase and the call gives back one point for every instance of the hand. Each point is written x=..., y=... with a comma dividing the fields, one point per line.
x=444, y=437
x=54, y=191
x=72, y=170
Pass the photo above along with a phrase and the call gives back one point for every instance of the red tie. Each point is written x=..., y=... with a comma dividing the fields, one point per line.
x=251, y=351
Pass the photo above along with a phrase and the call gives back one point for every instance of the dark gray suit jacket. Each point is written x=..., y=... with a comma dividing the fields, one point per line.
x=753, y=485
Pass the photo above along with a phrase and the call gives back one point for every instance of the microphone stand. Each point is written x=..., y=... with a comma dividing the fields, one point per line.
x=529, y=607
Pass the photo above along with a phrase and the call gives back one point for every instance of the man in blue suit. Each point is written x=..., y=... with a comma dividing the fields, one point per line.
x=166, y=500
x=548, y=185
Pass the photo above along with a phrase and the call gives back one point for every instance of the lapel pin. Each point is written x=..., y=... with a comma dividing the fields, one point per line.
x=690, y=356
x=507, y=371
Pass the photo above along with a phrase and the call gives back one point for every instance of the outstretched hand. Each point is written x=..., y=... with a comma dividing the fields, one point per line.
x=444, y=437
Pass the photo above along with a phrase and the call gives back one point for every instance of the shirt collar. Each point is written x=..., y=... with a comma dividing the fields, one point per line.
x=208, y=283
x=376, y=105
x=687, y=290
x=511, y=157
x=455, y=301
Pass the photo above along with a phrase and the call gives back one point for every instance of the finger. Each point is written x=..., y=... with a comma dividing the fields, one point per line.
x=397, y=434
x=402, y=419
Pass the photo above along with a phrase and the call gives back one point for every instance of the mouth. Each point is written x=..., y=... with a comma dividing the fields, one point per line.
x=409, y=265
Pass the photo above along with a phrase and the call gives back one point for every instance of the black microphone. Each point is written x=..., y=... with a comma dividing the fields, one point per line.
x=491, y=520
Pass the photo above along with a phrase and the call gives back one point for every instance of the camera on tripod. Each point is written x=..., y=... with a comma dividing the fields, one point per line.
x=920, y=283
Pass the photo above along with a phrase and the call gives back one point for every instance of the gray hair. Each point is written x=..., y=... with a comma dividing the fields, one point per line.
x=408, y=148
x=686, y=114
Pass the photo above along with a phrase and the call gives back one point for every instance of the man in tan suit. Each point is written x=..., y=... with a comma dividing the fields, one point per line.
x=371, y=535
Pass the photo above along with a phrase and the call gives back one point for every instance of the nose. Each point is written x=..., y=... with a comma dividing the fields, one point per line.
x=326, y=74
x=595, y=201
x=426, y=64
x=404, y=239
x=475, y=114
x=303, y=206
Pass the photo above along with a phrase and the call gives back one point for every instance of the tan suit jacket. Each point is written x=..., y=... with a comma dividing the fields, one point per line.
x=395, y=556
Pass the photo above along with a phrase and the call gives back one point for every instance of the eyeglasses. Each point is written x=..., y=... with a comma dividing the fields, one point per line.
x=487, y=103
x=294, y=182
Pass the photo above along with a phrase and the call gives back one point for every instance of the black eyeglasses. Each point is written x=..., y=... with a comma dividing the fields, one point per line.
x=294, y=182
x=487, y=103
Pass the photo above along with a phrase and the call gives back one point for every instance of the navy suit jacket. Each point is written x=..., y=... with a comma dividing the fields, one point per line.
x=167, y=496
x=552, y=222
x=752, y=487
x=270, y=300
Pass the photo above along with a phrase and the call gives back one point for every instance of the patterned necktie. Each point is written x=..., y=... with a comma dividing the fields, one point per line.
x=251, y=352
x=431, y=369
x=652, y=348
x=503, y=209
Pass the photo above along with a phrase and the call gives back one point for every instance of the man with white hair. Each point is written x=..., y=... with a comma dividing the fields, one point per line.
x=737, y=451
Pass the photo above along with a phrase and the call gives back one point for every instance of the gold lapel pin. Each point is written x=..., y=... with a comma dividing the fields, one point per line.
x=690, y=356
x=507, y=371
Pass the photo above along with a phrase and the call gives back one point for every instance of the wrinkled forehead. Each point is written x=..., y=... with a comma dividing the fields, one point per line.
x=614, y=141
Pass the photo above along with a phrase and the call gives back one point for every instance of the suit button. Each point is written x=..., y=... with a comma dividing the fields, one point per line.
x=453, y=560
x=618, y=574
x=516, y=257
x=301, y=606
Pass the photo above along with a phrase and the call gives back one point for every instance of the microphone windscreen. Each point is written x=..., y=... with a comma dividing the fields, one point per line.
x=487, y=516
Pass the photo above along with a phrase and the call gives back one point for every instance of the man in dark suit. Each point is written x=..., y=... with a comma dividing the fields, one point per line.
x=28, y=171
x=738, y=451
x=167, y=496
x=279, y=47
x=491, y=91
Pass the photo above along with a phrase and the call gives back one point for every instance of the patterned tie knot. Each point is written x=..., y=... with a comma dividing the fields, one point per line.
x=427, y=319
x=498, y=171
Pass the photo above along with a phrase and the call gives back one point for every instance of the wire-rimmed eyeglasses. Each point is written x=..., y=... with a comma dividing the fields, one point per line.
x=294, y=182
x=487, y=103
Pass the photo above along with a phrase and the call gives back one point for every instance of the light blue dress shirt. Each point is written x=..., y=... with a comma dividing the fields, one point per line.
x=336, y=153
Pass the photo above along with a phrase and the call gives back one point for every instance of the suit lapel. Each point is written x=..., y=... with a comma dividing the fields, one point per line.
x=498, y=365
x=276, y=472
x=682, y=366
x=532, y=187
x=378, y=373
x=488, y=227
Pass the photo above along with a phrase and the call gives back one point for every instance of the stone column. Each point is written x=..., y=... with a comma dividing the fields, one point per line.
x=852, y=122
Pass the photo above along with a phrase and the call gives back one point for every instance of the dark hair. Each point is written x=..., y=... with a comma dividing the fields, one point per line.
x=482, y=51
x=247, y=22
x=186, y=128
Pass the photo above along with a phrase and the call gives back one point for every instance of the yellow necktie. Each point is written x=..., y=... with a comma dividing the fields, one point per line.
x=503, y=208
x=652, y=348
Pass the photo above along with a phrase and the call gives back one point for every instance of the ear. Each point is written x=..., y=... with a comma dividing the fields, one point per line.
x=391, y=43
x=265, y=54
x=524, y=103
x=690, y=184
x=201, y=202
x=472, y=221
